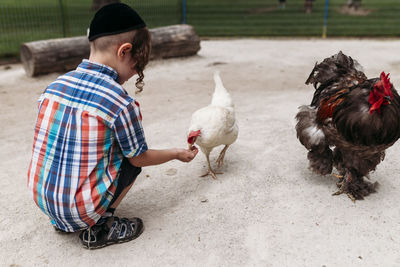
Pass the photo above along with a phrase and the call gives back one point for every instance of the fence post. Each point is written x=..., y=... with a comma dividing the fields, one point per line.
x=324, y=29
x=183, y=11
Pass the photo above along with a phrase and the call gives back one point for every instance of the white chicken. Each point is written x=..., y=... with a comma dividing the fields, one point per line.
x=214, y=125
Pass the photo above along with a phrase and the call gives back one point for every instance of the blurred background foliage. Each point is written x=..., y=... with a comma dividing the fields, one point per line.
x=29, y=20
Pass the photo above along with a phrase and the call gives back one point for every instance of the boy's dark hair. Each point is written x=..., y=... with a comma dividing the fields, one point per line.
x=141, y=48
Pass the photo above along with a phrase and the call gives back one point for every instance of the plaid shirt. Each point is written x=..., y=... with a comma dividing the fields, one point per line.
x=86, y=124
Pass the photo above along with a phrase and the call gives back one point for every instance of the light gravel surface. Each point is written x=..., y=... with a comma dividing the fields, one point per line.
x=267, y=209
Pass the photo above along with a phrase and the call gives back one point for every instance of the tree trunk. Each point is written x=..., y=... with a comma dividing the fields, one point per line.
x=64, y=54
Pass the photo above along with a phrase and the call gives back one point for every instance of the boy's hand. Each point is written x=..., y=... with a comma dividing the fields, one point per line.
x=186, y=155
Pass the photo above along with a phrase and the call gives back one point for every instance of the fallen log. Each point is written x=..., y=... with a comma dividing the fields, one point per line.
x=53, y=55
x=64, y=54
x=174, y=41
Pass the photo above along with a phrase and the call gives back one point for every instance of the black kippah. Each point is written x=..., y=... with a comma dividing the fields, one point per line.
x=113, y=19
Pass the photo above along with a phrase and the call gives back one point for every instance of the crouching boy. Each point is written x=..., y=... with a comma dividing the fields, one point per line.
x=89, y=145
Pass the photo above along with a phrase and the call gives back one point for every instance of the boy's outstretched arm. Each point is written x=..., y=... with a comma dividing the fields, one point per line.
x=155, y=157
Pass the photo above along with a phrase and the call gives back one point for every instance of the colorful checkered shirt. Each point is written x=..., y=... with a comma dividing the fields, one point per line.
x=86, y=124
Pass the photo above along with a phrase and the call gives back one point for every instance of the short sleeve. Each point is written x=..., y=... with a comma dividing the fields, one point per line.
x=40, y=100
x=129, y=131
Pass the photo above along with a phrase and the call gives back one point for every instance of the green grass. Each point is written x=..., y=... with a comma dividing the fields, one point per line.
x=28, y=20
x=262, y=18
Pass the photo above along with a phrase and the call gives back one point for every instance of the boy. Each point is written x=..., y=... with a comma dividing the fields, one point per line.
x=89, y=144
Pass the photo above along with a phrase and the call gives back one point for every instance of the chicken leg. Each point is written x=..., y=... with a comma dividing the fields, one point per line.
x=356, y=188
x=343, y=186
x=221, y=156
x=210, y=171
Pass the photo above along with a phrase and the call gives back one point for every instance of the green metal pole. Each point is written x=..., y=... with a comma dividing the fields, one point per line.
x=325, y=28
x=183, y=11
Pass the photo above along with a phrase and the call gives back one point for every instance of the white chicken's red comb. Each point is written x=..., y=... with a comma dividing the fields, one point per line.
x=192, y=136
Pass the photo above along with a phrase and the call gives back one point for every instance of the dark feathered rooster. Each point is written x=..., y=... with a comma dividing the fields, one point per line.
x=356, y=117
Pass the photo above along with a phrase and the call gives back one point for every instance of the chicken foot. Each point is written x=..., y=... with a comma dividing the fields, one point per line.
x=210, y=171
x=343, y=185
x=355, y=189
x=221, y=156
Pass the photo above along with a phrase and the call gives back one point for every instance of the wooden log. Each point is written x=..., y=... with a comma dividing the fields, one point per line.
x=174, y=41
x=54, y=55
x=64, y=54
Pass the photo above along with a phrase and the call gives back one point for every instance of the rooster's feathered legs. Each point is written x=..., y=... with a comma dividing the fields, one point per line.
x=356, y=188
x=210, y=171
x=343, y=186
x=352, y=180
x=221, y=156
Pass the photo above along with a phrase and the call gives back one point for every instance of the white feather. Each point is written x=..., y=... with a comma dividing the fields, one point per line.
x=315, y=135
x=221, y=96
x=216, y=122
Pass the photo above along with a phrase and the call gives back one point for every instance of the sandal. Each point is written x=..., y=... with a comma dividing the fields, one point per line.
x=113, y=231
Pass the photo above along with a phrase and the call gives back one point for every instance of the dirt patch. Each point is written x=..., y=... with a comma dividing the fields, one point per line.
x=360, y=11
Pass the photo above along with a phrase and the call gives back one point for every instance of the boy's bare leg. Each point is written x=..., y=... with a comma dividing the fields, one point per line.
x=121, y=196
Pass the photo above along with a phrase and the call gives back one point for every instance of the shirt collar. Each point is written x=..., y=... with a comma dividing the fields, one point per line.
x=89, y=66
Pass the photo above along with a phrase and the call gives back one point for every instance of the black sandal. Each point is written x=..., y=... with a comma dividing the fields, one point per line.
x=113, y=231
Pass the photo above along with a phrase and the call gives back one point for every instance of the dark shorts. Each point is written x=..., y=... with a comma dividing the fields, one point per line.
x=126, y=176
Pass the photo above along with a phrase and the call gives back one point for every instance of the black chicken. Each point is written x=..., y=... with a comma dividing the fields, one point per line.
x=356, y=117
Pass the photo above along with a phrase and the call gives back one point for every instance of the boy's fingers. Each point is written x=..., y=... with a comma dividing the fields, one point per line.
x=194, y=152
x=190, y=154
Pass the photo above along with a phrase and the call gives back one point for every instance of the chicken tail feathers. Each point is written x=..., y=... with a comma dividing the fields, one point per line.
x=338, y=68
x=308, y=131
x=313, y=138
x=221, y=96
x=217, y=79
x=334, y=68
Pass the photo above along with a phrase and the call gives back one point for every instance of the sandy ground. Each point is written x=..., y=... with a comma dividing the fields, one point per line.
x=267, y=209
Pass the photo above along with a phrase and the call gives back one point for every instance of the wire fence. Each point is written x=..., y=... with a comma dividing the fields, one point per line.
x=29, y=20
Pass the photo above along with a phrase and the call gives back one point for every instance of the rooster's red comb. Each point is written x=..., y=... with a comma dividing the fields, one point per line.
x=381, y=94
x=385, y=81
